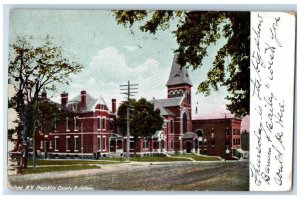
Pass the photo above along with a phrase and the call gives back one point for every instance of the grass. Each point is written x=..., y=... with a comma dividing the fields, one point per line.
x=157, y=159
x=73, y=162
x=30, y=170
x=197, y=157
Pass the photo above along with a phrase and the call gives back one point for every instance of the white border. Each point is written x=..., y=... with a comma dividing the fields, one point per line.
x=210, y=5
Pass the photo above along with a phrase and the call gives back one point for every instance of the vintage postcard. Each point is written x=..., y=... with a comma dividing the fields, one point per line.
x=150, y=100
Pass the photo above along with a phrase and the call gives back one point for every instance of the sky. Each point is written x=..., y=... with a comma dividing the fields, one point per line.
x=112, y=55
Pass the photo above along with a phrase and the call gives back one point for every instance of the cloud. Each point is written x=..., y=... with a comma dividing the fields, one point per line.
x=109, y=68
x=109, y=65
x=131, y=48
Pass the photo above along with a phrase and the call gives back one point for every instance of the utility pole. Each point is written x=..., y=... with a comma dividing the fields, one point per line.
x=82, y=140
x=128, y=88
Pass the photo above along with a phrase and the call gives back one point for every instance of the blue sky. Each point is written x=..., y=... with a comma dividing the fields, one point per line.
x=113, y=54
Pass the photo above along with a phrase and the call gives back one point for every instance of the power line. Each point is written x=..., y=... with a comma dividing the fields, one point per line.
x=128, y=88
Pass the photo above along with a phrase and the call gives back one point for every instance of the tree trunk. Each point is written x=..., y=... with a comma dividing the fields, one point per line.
x=24, y=143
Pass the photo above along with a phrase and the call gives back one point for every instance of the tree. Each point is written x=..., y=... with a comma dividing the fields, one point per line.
x=195, y=32
x=32, y=70
x=144, y=120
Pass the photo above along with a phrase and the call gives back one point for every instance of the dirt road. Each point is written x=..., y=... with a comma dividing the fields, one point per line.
x=214, y=176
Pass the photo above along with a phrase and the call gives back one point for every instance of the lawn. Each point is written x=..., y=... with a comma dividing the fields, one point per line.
x=198, y=158
x=157, y=159
x=30, y=170
x=74, y=162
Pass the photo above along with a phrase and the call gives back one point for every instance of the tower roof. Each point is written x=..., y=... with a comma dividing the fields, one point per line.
x=178, y=74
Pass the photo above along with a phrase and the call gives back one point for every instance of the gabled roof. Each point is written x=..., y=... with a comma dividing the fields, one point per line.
x=90, y=102
x=178, y=74
x=161, y=104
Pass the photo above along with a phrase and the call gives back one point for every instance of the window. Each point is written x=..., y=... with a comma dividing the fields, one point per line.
x=68, y=143
x=236, y=131
x=103, y=123
x=172, y=144
x=184, y=123
x=213, y=142
x=67, y=124
x=131, y=144
x=171, y=127
x=199, y=132
x=205, y=142
x=103, y=143
x=227, y=131
x=75, y=124
x=227, y=141
x=50, y=144
x=76, y=143
x=55, y=125
x=200, y=142
x=145, y=144
x=98, y=143
x=98, y=123
x=41, y=145
x=56, y=143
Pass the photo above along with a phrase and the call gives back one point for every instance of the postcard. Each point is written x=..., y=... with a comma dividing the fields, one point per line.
x=150, y=100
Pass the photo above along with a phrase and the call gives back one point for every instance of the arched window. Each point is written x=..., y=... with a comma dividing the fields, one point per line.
x=199, y=132
x=176, y=93
x=184, y=123
x=180, y=93
x=172, y=127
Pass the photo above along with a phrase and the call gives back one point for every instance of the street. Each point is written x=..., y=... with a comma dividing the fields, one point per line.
x=213, y=176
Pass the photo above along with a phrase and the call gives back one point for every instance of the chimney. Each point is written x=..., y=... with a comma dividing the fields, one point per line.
x=83, y=99
x=64, y=99
x=113, y=105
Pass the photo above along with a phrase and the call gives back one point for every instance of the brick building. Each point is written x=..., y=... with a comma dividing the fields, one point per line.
x=180, y=133
x=218, y=136
x=90, y=127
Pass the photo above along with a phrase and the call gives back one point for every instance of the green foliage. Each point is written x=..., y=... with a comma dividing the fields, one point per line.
x=73, y=162
x=32, y=70
x=144, y=120
x=195, y=32
x=158, y=159
x=46, y=64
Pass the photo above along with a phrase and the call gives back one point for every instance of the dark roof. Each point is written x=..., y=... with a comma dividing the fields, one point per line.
x=161, y=104
x=178, y=74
